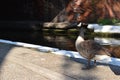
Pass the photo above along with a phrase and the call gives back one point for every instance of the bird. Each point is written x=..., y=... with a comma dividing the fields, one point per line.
x=89, y=49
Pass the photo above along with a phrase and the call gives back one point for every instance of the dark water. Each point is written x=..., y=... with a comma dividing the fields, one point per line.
x=61, y=42
x=58, y=41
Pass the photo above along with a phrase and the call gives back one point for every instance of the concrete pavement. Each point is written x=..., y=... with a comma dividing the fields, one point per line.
x=20, y=63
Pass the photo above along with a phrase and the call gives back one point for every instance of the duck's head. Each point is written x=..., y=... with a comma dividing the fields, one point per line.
x=83, y=28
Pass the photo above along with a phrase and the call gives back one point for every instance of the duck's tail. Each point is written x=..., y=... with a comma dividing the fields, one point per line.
x=107, y=52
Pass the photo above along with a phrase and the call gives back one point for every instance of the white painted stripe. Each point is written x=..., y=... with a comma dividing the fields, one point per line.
x=41, y=48
x=112, y=61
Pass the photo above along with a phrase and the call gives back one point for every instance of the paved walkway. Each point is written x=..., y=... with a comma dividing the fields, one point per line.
x=19, y=63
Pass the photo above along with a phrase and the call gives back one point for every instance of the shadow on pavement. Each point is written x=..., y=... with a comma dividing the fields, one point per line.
x=4, y=50
x=114, y=69
x=73, y=69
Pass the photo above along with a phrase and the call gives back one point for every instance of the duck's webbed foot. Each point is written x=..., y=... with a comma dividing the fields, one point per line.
x=88, y=66
x=95, y=64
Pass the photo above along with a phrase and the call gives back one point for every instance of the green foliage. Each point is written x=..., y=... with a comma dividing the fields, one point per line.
x=108, y=21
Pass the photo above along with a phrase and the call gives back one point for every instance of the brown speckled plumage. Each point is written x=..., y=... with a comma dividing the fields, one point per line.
x=89, y=48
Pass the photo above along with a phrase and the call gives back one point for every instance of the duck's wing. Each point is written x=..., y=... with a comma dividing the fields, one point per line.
x=93, y=47
x=90, y=45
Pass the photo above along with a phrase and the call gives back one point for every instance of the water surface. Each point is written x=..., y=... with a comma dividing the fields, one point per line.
x=64, y=42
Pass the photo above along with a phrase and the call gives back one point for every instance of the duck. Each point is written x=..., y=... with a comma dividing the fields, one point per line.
x=89, y=49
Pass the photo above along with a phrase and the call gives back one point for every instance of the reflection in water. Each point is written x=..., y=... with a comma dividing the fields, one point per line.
x=57, y=41
x=115, y=50
x=108, y=41
x=112, y=44
x=61, y=42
